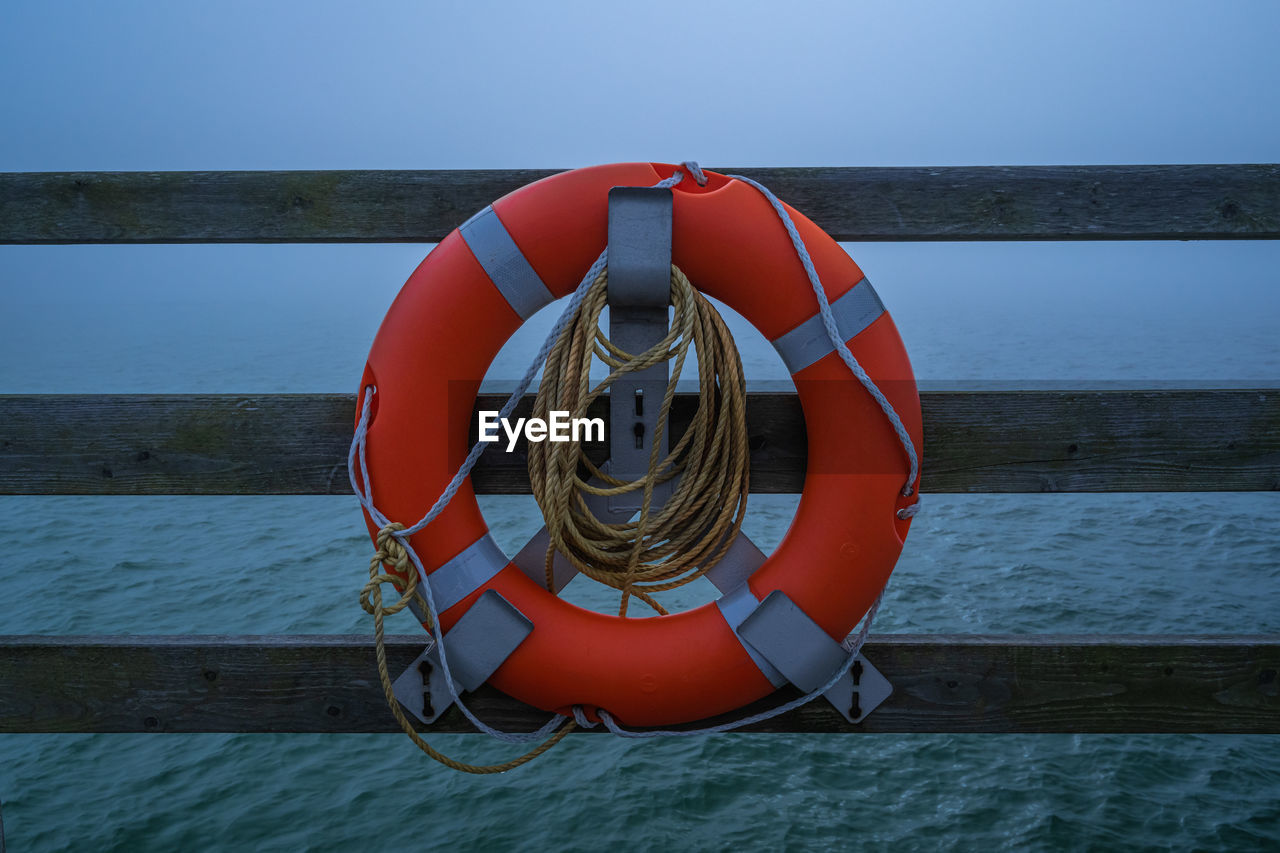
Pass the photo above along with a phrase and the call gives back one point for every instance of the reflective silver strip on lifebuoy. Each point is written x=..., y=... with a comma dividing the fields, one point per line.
x=735, y=607
x=504, y=263
x=858, y=308
x=467, y=572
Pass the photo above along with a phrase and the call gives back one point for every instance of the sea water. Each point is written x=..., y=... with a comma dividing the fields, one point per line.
x=267, y=319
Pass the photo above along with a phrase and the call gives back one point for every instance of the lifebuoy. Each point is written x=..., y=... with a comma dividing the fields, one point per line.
x=531, y=246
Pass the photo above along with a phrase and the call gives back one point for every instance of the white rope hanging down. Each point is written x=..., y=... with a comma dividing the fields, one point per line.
x=362, y=486
x=833, y=333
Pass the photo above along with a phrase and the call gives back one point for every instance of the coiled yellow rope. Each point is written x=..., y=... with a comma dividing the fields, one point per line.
x=692, y=531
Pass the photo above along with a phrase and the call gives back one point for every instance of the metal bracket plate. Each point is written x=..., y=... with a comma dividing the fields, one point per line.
x=735, y=606
x=860, y=691
x=807, y=656
x=479, y=642
x=639, y=293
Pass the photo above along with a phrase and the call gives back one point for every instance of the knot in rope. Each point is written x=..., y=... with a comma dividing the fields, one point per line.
x=390, y=549
x=403, y=575
x=670, y=546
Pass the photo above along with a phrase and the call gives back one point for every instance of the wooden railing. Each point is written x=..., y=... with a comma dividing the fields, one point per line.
x=978, y=440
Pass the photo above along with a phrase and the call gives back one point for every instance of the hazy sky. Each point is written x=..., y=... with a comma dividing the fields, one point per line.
x=419, y=85
x=266, y=85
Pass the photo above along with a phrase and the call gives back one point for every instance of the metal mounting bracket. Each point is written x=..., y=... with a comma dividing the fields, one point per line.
x=737, y=564
x=639, y=293
x=807, y=656
x=479, y=642
x=532, y=557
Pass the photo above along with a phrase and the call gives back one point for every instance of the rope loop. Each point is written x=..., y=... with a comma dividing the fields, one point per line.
x=580, y=717
x=692, y=167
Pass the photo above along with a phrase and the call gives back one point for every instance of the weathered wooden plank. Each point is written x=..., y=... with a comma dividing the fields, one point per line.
x=175, y=444
x=850, y=203
x=941, y=684
x=975, y=441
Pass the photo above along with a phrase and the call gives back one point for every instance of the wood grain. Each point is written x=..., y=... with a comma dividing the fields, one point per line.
x=975, y=441
x=849, y=203
x=941, y=684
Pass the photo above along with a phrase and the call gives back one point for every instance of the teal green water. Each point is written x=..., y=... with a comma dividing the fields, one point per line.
x=1052, y=563
x=1193, y=563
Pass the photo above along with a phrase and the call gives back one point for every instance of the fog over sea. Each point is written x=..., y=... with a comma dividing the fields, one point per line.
x=171, y=319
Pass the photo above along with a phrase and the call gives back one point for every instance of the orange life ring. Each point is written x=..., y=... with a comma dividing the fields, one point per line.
x=450, y=320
